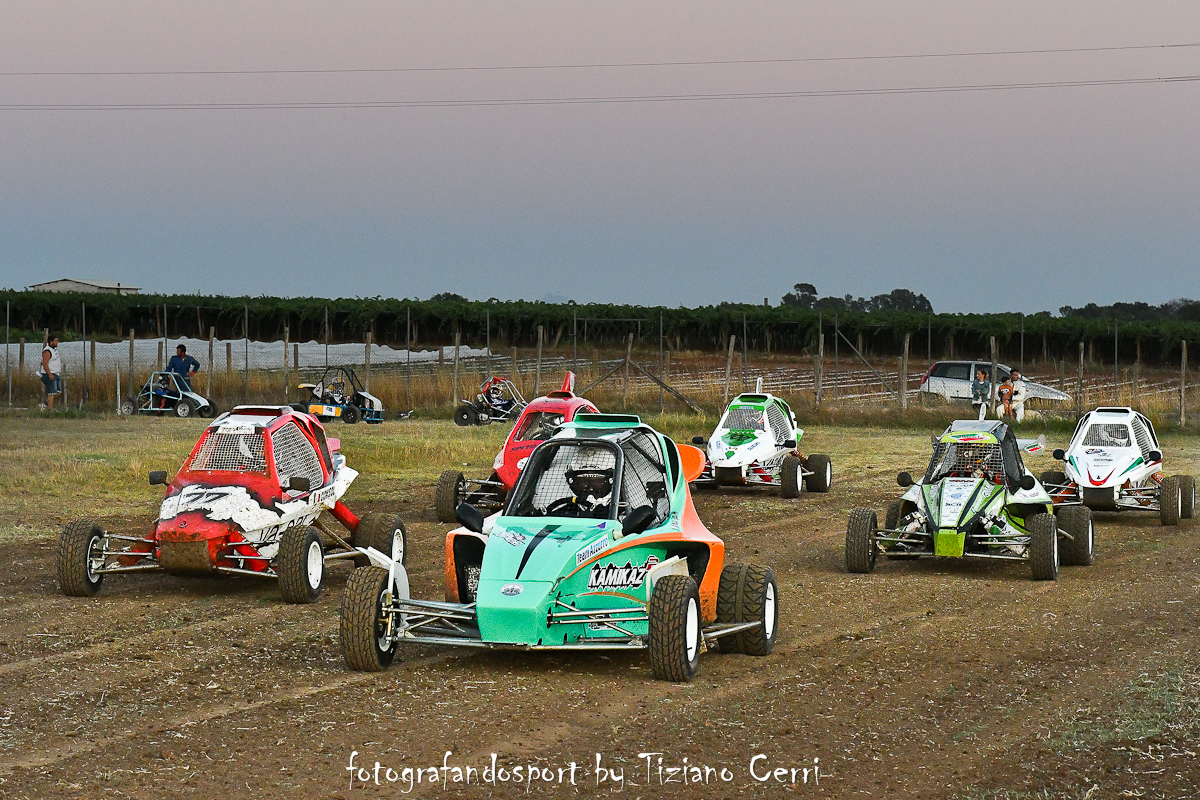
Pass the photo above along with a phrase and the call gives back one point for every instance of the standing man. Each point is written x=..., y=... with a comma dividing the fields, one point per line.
x=981, y=392
x=184, y=366
x=51, y=372
x=1018, y=395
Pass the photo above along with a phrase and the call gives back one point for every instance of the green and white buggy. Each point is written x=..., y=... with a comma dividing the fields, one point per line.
x=598, y=547
x=756, y=443
x=976, y=500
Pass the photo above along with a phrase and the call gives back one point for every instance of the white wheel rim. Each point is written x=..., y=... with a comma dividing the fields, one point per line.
x=1091, y=534
x=316, y=564
x=692, y=635
x=828, y=474
x=397, y=553
x=1178, y=504
x=91, y=560
x=1054, y=539
x=381, y=639
x=769, y=612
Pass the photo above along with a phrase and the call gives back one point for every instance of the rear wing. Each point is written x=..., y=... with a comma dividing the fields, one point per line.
x=1033, y=445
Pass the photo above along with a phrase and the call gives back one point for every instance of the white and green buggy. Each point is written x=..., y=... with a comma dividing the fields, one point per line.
x=976, y=500
x=756, y=443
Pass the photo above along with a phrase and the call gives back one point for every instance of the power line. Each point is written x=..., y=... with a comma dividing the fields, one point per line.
x=620, y=65
x=552, y=101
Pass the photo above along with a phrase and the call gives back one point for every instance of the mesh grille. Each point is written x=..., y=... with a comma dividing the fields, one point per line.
x=778, y=422
x=1143, y=437
x=1107, y=434
x=553, y=489
x=643, y=479
x=230, y=452
x=295, y=457
x=743, y=419
x=963, y=460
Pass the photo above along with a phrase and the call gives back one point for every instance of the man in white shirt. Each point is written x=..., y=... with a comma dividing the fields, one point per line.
x=1018, y=395
x=51, y=372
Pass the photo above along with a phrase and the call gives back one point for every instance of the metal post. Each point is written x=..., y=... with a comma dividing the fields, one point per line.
x=929, y=341
x=408, y=342
x=367, y=364
x=212, y=335
x=327, y=337
x=575, y=338
x=1116, y=372
x=819, y=376
x=7, y=356
x=836, y=376
x=1079, y=382
x=488, y=341
x=902, y=378
x=457, y=339
x=246, y=355
x=662, y=399
x=131, y=383
x=728, y=367
x=537, y=375
x=745, y=353
x=83, y=396
x=1183, y=384
x=628, y=356
x=164, y=330
x=1022, y=345
x=287, y=338
x=994, y=375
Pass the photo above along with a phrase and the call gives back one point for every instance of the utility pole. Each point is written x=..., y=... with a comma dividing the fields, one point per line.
x=994, y=375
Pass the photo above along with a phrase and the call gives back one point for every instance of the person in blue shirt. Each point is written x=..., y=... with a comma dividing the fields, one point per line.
x=184, y=366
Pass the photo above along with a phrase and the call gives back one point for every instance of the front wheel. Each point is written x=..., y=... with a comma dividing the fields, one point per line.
x=1187, y=497
x=1080, y=549
x=791, y=484
x=184, y=409
x=450, y=486
x=755, y=595
x=1043, y=547
x=350, y=415
x=1170, y=501
x=821, y=467
x=301, y=565
x=80, y=554
x=127, y=407
x=466, y=415
x=861, y=551
x=384, y=532
x=675, y=628
x=363, y=628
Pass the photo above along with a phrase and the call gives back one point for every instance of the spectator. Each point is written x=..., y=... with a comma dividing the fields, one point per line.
x=1004, y=393
x=184, y=366
x=51, y=372
x=981, y=392
x=1019, y=393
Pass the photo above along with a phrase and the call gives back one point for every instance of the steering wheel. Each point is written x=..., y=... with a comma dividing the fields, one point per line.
x=562, y=504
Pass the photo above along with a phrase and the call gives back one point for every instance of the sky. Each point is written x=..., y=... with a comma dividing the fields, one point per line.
x=1016, y=199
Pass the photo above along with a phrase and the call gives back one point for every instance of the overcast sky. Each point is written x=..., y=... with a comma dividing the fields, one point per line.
x=1017, y=199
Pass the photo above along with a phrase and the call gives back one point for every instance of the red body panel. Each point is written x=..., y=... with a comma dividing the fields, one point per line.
x=515, y=452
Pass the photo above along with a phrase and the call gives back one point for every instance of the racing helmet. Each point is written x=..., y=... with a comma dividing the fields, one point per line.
x=590, y=473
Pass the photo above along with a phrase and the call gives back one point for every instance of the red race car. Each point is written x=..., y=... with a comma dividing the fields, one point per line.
x=535, y=425
x=247, y=501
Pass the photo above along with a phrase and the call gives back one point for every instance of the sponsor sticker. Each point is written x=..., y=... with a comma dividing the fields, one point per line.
x=592, y=549
x=236, y=428
x=511, y=589
x=614, y=576
x=1091, y=451
x=512, y=537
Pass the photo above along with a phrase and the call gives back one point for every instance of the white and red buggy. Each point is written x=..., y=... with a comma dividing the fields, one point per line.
x=248, y=500
x=499, y=400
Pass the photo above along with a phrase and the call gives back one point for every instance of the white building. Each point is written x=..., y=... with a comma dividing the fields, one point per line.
x=92, y=287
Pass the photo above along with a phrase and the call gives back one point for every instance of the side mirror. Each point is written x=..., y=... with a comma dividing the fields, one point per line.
x=904, y=479
x=1155, y=455
x=298, y=484
x=1027, y=482
x=790, y=444
x=699, y=440
x=469, y=517
x=1059, y=454
x=333, y=443
x=158, y=477
x=637, y=520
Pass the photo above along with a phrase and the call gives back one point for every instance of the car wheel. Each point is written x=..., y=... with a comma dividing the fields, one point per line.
x=80, y=553
x=301, y=565
x=758, y=601
x=1187, y=497
x=791, y=484
x=184, y=408
x=466, y=415
x=1043, y=547
x=303, y=409
x=1080, y=550
x=383, y=532
x=363, y=626
x=861, y=551
x=450, y=488
x=892, y=518
x=675, y=628
x=727, y=604
x=350, y=415
x=128, y=408
x=1170, y=501
x=821, y=467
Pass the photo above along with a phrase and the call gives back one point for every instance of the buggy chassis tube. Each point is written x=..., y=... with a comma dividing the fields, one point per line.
x=344, y=515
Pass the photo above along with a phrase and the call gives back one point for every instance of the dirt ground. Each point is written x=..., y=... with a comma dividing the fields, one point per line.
x=933, y=679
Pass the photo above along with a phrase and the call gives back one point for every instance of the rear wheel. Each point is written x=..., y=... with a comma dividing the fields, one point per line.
x=127, y=407
x=466, y=415
x=892, y=519
x=301, y=565
x=727, y=604
x=821, y=468
x=363, y=627
x=1080, y=549
x=791, y=484
x=450, y=488
x=381, y=531
x=350, y=415
x=1043, y=547
x=1170, y=501
x=758, y=601
x=80, y=554
x=675, y=628
x=860, y=540
x=1187, y=497
x=184, y=408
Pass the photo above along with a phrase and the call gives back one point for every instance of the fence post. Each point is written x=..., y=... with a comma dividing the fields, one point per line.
x=488, y=342
x=575, y=338
x=537, y=374
x=514, y=364
x=7, y=355
x=1079, y=382
x=131, y=383
x=728, y=368
x=246, y=356
x=457, y=338
x=1183, y=385
x=212, y=335
x=902, y=378
x=745, y=353
x=366, y=364
x=628, y=356
x=662, y=399
x=819, y=376
x=993, y=376
x=228, y=358
x=159, y=362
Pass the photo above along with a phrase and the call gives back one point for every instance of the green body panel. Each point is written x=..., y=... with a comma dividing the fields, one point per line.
x=955, y=504
x=949, y=543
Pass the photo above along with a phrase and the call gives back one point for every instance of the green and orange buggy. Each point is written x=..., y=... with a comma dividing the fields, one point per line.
x=598, y=547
